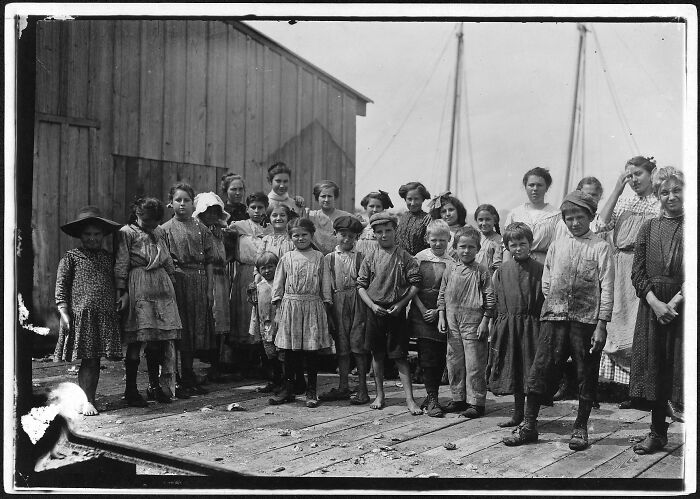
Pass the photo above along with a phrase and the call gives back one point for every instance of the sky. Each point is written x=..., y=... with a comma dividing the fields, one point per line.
x=519, y=86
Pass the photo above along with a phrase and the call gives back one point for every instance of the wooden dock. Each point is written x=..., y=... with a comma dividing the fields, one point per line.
x=340, y=440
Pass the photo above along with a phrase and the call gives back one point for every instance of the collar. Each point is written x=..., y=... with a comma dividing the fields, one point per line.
x=276, y=197
x=587, y=235
x=351, y=252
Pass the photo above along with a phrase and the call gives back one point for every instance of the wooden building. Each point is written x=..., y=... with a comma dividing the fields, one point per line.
x=125, y=108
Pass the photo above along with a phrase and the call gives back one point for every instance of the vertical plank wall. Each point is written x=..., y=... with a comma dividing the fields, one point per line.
x=170, y=100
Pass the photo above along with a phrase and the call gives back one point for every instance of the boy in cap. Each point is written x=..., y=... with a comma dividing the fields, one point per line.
x=577, y=283
x=345, y=311
x=387, y=281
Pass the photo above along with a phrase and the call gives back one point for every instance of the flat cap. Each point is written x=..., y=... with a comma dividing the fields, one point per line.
x=347, y=222
x=383, y=218
x=580, y=198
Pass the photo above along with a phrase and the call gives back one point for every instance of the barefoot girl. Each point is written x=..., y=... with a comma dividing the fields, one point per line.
x=85, y=297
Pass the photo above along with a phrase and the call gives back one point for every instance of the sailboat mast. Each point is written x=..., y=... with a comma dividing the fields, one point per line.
x=455, y=104
x=582, y=36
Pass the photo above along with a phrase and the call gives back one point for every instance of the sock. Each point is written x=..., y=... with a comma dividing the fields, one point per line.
x=658, y=418
x=312, y=368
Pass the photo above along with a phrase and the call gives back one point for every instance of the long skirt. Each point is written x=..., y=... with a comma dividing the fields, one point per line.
x=221, y=308
x=657, y=350
x=191, y=293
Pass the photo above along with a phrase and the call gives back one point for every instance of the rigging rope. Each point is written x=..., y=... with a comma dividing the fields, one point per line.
x=616, y=103
x=413, y=104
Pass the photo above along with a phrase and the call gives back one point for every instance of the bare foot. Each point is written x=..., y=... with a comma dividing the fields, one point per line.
x=413, y=408
x=89, y=409
x=378, y=403
x=57, y=454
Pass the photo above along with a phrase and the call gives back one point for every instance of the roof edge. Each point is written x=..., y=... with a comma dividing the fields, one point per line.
x=249, y=30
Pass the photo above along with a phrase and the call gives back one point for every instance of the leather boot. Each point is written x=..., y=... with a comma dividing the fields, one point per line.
x=655, y=440
x=285, y=395
x=132, y=395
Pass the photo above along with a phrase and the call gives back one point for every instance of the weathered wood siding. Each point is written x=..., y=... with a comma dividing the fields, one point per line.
x=129, y=107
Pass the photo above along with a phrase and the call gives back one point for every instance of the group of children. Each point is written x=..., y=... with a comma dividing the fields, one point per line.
x=300, y=283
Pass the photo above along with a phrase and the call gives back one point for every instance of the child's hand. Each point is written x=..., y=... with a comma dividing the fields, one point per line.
x=123, y=302
x=482, y=332
x=65, y=318
x=430, y=315
x=663, y=311
x=394, y=310
x=442, y=324
x=252, y=293
x=380, y=311
x=299, y=201
x=598, y=339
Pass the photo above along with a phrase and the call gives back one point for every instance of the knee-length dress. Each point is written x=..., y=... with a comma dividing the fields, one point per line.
x=657, y=350
x=518, y=289
x=410, y=233
x=144, y=267
x=303, y=324
x=249, y=242
x=542, y=223
x=85, y=283
x=190, y=244
x=627, y=218
x=324, y=239
x=431, y=269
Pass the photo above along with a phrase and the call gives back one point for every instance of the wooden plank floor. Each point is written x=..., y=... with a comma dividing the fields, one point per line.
x=340, y=440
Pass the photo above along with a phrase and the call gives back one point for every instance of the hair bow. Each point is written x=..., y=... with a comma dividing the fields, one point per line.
x=438, y=201
x=386, y=200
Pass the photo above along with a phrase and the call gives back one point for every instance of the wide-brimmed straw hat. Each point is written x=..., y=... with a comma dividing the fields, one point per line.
x=89, y=215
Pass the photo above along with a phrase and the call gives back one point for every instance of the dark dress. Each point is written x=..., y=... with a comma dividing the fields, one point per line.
x=657, y=350
x=85, y=282
x=410, y=233
x=519, y=299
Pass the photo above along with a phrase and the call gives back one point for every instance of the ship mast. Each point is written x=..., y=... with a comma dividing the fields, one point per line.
x=455, y=103
x=572, y=131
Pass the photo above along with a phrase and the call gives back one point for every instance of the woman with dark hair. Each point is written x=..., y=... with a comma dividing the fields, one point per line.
x=623, y=217
x=539, y=215
x=410, y=233
x=451, y=210
x=279, y=176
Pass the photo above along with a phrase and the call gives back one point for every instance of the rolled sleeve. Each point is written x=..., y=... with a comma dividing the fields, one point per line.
x=365, y=273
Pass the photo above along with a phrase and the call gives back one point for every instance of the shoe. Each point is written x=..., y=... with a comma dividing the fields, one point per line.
x=199, y=390
x=654, y=441
x=150, y=394
x=285, y=395
x=432, y=407
x=335, y=394
x=134, y=399
x=455, y=406
x=579, y=439
x=523, y=434
x=513, y=421
x=182, y=392
x=625, y=404
x=311, y=399
x=161, y=396
x=473, y=411
x=674, y=412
